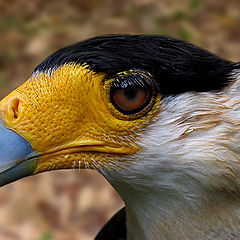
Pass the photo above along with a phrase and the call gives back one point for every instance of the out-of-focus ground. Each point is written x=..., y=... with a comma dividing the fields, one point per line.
x=67, y=205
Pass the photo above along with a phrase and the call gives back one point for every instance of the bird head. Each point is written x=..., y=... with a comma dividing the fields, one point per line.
x=148, y=112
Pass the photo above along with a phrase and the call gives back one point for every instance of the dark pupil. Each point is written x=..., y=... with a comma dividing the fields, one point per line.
x=130, y=92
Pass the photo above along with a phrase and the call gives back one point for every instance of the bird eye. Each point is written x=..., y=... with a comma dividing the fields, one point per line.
x=131, y=99
x=131, y=92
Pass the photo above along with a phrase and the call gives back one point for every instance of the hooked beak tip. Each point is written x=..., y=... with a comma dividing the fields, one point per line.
x=15, y=153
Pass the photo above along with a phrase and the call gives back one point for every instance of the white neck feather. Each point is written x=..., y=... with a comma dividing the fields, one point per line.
x=185, y=183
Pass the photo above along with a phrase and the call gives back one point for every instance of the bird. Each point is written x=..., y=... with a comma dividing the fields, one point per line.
x=158, y=117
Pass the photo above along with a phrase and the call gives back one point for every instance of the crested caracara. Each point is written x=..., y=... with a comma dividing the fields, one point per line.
x=159, y=118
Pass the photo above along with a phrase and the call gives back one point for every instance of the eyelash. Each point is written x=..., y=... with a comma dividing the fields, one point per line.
x=135, y=80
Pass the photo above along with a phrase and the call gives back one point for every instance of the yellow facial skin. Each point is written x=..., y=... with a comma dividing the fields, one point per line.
x=68, y=119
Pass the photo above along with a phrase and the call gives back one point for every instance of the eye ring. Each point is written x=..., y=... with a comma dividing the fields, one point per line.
x=131, y=94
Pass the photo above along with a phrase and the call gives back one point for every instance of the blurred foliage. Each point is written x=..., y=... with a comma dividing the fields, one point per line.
x=72, y=205
x=195, y=4
x=46, y=236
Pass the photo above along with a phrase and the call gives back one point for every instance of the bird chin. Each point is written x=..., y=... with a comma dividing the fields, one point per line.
x=16, y=156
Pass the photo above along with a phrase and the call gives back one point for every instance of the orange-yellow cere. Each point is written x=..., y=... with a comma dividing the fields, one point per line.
x=65, y=116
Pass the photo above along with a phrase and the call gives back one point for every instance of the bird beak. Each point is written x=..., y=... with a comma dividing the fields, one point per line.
x=37, y=134
x=15, y=156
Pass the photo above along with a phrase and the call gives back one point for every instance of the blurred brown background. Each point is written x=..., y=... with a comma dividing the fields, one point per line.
x=68, y=205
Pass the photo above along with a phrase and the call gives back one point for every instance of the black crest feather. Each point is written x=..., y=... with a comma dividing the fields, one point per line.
x=176, y=65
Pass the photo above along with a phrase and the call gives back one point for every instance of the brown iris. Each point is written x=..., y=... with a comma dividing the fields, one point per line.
x=131, y=99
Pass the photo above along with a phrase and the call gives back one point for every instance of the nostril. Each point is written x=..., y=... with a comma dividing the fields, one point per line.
x=14, y=108
x=11, y=109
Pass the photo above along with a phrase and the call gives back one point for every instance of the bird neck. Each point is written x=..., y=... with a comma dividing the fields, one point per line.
x=171, y=224
x=168, y=215
x=185, y=182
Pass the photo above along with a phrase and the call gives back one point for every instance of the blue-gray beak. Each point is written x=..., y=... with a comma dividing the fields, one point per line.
x=16, y=156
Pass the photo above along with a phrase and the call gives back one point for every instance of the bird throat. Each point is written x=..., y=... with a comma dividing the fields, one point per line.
x=155, y=213
x=152, y=218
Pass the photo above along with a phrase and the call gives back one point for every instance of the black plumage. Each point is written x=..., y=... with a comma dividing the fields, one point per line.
x=176, y=65
x=115, y=228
